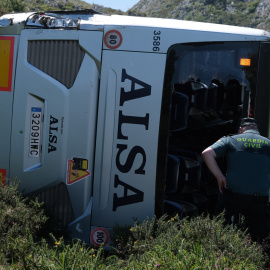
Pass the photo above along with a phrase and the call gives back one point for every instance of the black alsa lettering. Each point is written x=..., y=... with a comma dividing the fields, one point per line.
x=135, y=120
x=130, y=159
x=142, y=90
x=52, y=134
x=133, y=94
x=126, y=199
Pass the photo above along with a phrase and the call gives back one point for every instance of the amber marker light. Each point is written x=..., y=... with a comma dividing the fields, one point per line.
x=245, y=62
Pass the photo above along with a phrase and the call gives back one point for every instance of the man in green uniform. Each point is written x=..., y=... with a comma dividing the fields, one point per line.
x=245, y=187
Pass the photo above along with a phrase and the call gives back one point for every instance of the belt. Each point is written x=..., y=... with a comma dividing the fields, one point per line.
x=256, y=197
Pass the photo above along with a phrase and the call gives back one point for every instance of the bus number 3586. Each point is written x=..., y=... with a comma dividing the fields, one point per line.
x=156, y=41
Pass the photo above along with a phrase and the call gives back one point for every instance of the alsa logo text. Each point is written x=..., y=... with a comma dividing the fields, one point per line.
x=128, y=95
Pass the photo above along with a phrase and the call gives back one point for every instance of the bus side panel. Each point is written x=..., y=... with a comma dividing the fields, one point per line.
x=8, y=53
x=127, y=137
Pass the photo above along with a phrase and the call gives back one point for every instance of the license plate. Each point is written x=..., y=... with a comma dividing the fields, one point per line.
x=35, y=132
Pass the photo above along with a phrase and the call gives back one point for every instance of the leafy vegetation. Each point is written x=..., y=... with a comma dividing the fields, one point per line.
x=7, y=6
x=164, y=243
x=11, y=5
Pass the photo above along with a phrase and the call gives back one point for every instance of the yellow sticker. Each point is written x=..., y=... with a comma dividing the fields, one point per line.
x=6, y=62
x=75, y=175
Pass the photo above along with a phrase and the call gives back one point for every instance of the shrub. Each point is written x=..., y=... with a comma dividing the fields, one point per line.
x=21, y=219
x=201, y=243
x=166, y=243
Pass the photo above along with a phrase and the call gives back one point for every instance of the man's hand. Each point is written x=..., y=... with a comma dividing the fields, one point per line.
x=222, y=183
x=209, y=157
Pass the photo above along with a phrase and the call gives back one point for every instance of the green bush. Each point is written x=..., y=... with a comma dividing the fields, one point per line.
x=20, y=219
x=199, y=243
x=165, y=243
x=252, y=6
x=11, y=5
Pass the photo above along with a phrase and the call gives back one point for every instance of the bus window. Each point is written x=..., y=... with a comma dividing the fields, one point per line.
x=219, y=81
x=213, y=86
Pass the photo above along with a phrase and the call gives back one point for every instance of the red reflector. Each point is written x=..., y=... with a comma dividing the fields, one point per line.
x=2, y=177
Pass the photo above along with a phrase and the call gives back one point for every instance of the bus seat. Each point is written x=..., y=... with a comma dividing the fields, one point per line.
x=195, y=155
x=195, y=91
x=172, y=208
x=212, y=96
x=233, y=91
x=179, y=112
x=189, y=175
x=182, y=208
x=183, y=174
x=173, y=164
x=183, y=152
x=219, y=94
x=200, y=200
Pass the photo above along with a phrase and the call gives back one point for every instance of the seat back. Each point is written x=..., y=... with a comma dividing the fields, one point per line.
x=179, y=112
x=172, y=174
x=189, y=173
x=182, y=172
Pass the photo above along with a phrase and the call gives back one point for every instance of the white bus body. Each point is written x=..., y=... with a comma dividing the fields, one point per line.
x=97, y=110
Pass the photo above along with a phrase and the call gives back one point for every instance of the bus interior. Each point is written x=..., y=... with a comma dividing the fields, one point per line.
x=213, y=86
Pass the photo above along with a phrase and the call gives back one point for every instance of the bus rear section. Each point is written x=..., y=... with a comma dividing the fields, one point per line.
x=214, y=85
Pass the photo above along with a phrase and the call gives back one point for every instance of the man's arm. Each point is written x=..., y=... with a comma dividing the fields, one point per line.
x=209, y=157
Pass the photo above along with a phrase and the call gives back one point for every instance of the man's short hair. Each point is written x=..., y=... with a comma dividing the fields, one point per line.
x=248, y=122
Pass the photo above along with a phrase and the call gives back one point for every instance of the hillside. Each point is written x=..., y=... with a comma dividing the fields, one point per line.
x=255, y=14
x=7, y=6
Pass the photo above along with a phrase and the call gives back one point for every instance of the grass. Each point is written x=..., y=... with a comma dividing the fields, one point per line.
x=159, y=243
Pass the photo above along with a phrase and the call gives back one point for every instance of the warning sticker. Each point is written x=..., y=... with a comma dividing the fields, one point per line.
x=100, y=236
x=6, y=62
x=113, y=39
x=77, y=172
x=3, y=177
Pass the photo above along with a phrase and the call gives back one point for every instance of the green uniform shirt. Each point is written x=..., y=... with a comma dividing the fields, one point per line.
x=248, y=162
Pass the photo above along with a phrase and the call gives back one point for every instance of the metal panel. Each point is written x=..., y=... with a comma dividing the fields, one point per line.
x=60, y=59
x=58, y=201
x=127, y=142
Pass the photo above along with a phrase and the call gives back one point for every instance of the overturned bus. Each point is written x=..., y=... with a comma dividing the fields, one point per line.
x=104, y=117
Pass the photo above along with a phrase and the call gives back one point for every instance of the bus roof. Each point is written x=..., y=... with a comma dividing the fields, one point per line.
x=91, y=20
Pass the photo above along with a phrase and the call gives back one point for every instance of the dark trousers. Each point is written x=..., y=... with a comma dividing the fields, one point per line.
x=253, y=208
